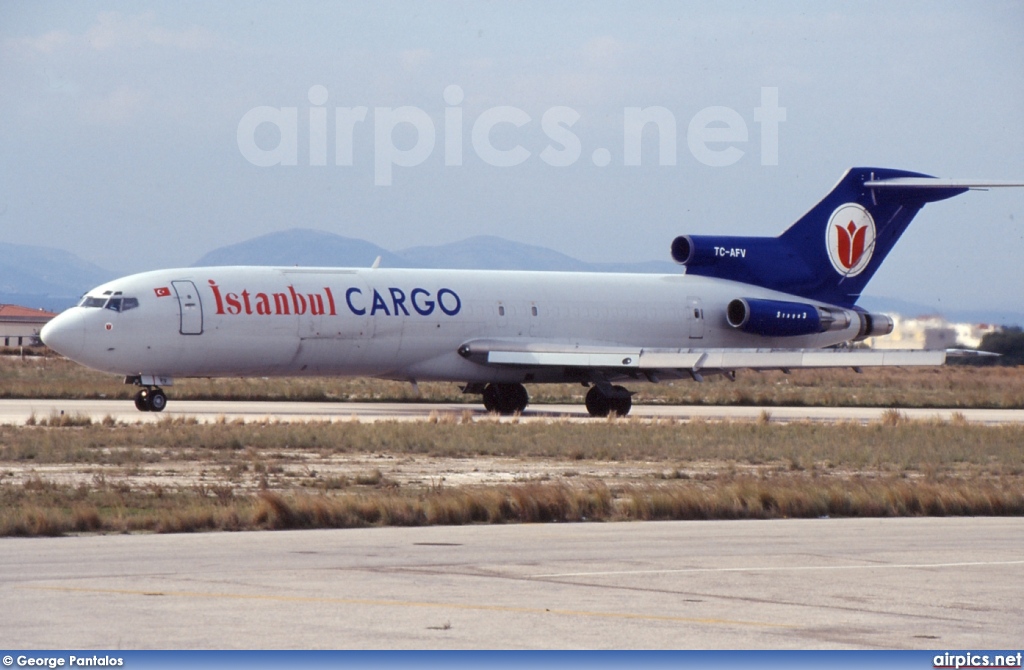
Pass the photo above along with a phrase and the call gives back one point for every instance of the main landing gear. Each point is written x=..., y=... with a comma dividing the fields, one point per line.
x=505, y=399
x=603, y=399
x=150, y=399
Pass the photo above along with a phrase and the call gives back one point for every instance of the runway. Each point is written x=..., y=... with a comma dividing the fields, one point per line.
x=19, y=411
x=933, y=583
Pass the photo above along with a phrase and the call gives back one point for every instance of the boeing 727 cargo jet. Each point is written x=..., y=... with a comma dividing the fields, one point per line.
x=744, y=302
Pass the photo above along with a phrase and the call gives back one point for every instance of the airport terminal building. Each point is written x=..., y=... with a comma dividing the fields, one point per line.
x=20, y=326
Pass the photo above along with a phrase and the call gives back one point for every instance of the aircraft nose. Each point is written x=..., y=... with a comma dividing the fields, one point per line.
x=65, y=333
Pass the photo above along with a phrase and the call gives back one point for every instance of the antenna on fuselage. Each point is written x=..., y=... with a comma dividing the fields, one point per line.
x=376, y=263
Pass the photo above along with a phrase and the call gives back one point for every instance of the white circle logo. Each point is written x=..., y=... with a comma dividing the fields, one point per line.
x=850, y=239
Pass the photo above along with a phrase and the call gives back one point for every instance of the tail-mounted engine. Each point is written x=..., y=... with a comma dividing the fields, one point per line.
x=762, y=261
x=780, y=318
x=873, y=325
x=695, y=251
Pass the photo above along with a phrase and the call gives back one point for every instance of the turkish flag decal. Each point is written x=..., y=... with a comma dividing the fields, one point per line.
x=162, y=292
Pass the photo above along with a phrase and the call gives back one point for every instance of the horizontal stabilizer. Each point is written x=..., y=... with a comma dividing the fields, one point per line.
x=932, y=182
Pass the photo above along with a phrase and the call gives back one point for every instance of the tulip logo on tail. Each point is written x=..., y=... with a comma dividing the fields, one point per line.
x=850, y=239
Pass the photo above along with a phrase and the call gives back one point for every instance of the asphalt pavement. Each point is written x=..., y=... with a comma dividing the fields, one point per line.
x=933, y=583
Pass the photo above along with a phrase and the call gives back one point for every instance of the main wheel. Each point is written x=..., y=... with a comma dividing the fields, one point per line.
x=142, y=400
x=506, y=399
x=597, y=402
x=622, y=404
x=157, y=401
x=490, y=395
x=516, y=399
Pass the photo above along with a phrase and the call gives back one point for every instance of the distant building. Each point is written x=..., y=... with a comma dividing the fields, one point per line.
x=20, y=326
x=971, y=334
x=930, y=332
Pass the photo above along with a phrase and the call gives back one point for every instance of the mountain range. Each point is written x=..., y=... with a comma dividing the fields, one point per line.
x=319, y=249
x=54, y=279
x=43, y=277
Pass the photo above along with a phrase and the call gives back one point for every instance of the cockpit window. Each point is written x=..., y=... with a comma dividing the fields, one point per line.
x=114, y=304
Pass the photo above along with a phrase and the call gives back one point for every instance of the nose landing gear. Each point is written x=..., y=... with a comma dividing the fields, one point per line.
x=150, y=400
x=150, y=397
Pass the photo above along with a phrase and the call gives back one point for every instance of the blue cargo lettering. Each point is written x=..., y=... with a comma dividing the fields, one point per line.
x=378, y=304
x=422, y=301
x=427, y=308
x=440, y=302
x=348, y=299
x=398, y=300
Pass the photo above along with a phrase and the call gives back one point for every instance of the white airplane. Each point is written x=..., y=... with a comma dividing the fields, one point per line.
x=744, y=302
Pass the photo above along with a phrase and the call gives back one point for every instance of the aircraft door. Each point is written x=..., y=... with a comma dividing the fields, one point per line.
x=190, y=307
x=695, y=315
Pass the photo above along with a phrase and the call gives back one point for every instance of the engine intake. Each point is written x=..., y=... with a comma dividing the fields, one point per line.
x=704, y=250
x=682, y=250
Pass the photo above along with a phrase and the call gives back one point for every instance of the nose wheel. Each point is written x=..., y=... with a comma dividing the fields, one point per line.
x=150, y=400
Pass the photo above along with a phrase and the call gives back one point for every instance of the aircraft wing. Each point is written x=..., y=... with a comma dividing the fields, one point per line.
x=638, y=360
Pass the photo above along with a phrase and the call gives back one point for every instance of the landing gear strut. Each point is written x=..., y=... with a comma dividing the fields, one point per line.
x=505, y=399
x=150, y=400
x=604, y=399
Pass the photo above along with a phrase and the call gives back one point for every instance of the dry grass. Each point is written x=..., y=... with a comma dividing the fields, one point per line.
x=75, y=511
x=259, y=475
x=759, y=498
x=894, y=444
x=67, y=474
x=947, y=386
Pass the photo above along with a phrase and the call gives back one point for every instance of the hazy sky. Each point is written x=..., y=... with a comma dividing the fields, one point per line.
x=123, y=135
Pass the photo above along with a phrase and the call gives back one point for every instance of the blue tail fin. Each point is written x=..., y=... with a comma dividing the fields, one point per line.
x=832, y=252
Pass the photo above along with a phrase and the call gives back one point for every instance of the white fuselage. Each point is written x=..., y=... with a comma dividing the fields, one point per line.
x=402, y=324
